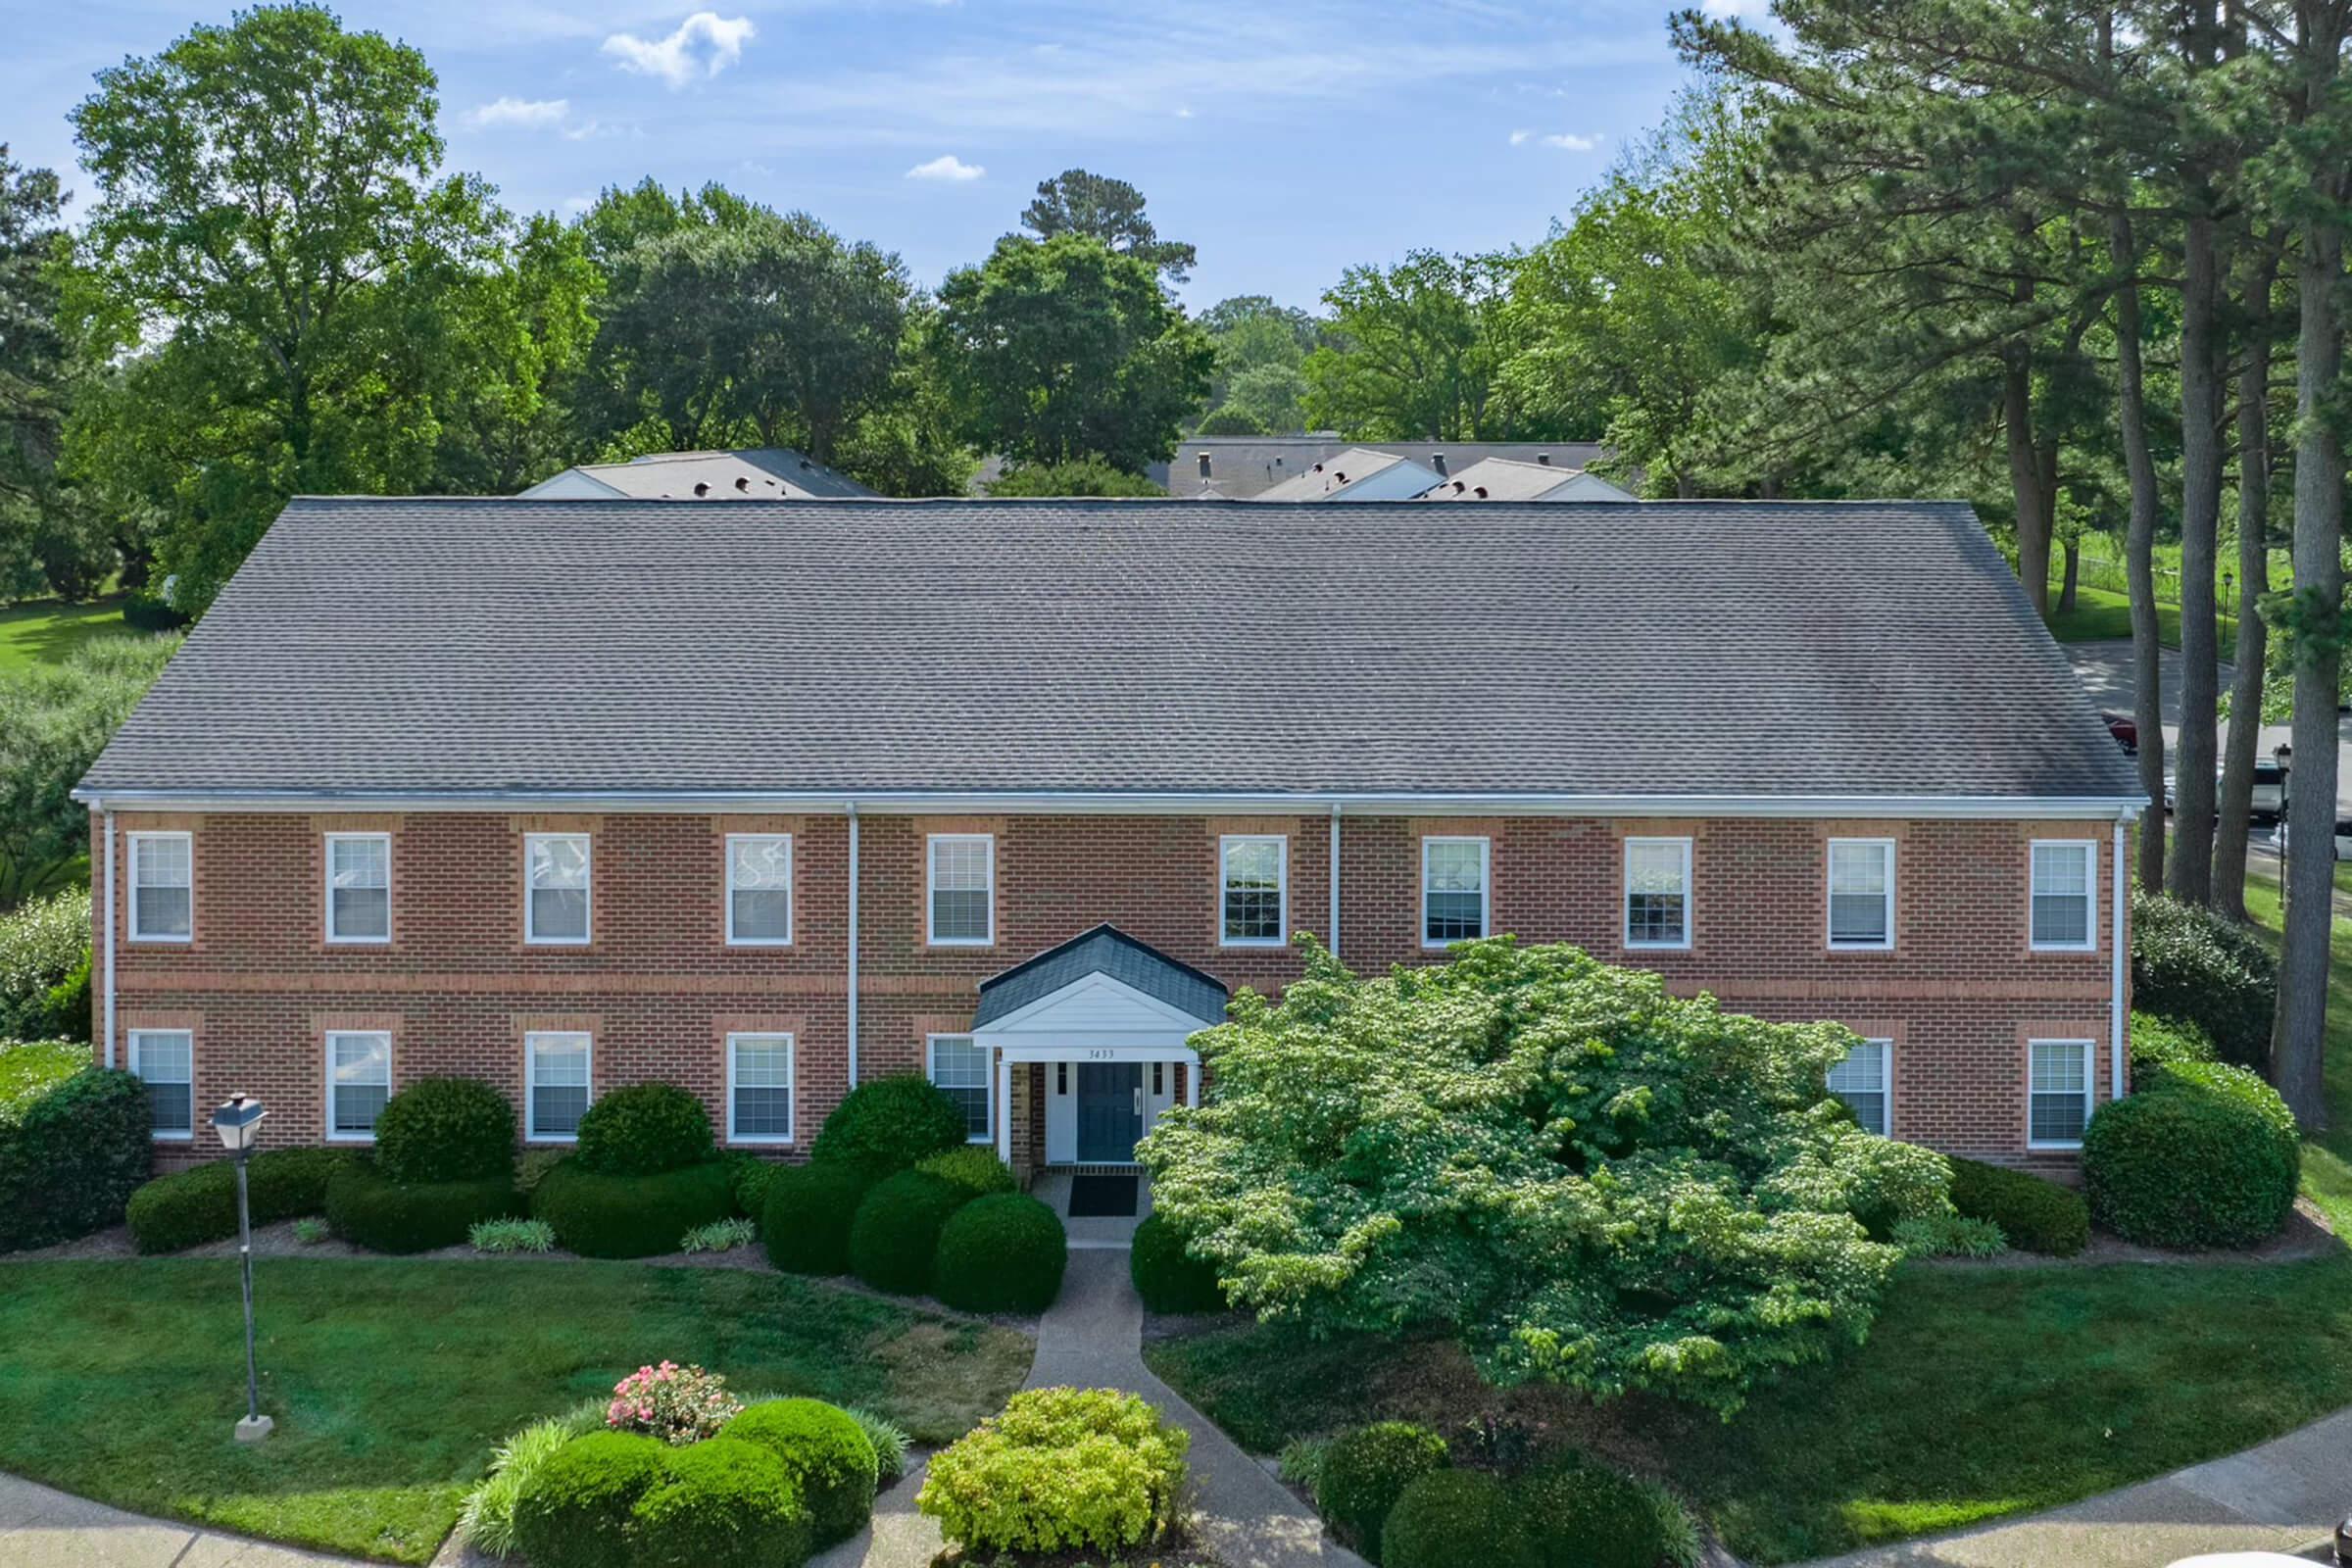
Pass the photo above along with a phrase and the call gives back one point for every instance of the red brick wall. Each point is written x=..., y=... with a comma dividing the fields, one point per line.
x=659, y=988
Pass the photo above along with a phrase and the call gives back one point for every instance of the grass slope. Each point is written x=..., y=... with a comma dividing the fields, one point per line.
x=2101, y=616
x=390, y=1381
x=2327, y=1159
x=45, y=631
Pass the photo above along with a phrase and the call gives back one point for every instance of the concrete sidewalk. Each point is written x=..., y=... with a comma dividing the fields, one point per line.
x=2284, y=1495
x=42, y=1528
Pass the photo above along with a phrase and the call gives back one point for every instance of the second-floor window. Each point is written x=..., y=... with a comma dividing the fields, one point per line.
x=358, y=886
x=1252, y=886
x=163, y=887
x=556, y=887
x=1658, y=893
x=2065, y=895
x=1861, y=893
x=1454, y=891
x=962, y=889
x=758, y=889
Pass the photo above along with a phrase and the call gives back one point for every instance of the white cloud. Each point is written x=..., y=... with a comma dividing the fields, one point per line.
x=1519, y=137
x=947, y=166
x=1742, y=9
x=1183, y=113
x=1566, y=141
x=521, y=113
x=704, y=44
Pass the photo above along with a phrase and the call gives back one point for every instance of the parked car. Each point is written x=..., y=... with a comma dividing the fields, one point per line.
x=2269, y=792
x=2343, y=837
x=2126, y=730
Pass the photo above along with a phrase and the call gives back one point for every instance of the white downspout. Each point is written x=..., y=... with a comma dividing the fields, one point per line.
x=107, y=819
x=853, y=1011
x=1334, y=921
x=2118, y=903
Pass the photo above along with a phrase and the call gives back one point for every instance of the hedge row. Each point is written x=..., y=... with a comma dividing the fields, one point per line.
x=601, y=1215
x=191, y=1207
x=368, y=1208
x=2036, y=1214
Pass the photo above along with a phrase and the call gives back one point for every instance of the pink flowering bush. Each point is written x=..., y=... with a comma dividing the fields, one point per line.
x=679, y=1405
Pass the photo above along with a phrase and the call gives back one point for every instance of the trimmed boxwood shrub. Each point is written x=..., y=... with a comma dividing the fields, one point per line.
x=1005, y=1253
x=976, y=1167
x=644, y=1129
x=445, y=1130
x=888, y=1124
x=1451, y=1517
x=190, y=1207
x=367, y=1210
x=719, y=1504
x=1059, y=1469
x=598, y=1215
x=2159, y=1043
x=2188, y=962
x=575, y=1511
x=894, y=1238
x=2207, y=1155
x=1585, y=1515
x=1365, y=1470
x=826, y=1453
x=805, y=1223
x=1168, y=1278
x=73, y=1143
x=2036, y=1214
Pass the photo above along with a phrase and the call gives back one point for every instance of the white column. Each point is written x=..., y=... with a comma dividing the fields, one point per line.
x=1191, y=1084
x=1003, y=1110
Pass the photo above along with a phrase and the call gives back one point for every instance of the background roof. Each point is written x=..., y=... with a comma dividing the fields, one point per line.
x=765, y=474
x=1658, y=648
x=1239, y=466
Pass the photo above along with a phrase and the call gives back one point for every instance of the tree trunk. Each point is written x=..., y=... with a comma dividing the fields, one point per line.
x=2238, y=756
x=2025, y=481
x=2071, y=573
x=2140, y=552
x=2198, y=759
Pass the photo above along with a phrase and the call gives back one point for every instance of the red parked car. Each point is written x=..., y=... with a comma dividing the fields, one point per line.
x=2126, y=730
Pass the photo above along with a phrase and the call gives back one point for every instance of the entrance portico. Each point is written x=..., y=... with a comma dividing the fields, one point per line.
x=1105, y=1019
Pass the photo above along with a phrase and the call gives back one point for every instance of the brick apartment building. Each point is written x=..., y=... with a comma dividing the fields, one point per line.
x=769, y=798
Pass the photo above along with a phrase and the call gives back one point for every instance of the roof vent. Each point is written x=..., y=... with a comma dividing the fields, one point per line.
x=743, y=483
x=1545, y=458
x=1342, y=477
x=1204, y=463
x=1480, y=492
x=1318, y=466
x=1436, y=460
x=701, y=489
x=807, y=465
x=1459, y=487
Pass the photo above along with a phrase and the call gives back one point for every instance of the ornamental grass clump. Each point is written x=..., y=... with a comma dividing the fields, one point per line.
x=1061, y=1470
x=1578, y=1176
x=678, y=1405
x=487, y=1521
x=719, y=1236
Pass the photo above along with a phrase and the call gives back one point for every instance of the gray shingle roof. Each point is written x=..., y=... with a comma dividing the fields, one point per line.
x=756, y=473
x=1658, y=648
x=1105, y=950
x=1351, y=467
x=1241, y=466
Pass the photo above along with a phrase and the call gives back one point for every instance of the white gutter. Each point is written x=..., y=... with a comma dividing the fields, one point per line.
x=1915, y=807
x=1334, y=939
x=852, y=809
x=107, y=1046
x=2116, y=1023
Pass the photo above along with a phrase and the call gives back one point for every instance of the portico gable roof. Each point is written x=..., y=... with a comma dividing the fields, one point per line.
x=1157, y=991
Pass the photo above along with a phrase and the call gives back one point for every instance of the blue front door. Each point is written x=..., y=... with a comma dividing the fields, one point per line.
x=1110, y=1111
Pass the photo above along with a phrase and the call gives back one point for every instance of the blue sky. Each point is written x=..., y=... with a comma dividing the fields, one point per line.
x=1287, y=138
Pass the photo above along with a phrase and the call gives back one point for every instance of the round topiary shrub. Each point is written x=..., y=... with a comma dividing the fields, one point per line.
x=889, y=1124
x=367, y=1210
x=1584, y=1515
x=598, y=1215
x=1005, y=1253
x=719, y=1504
x=2208, y=1156
x=1059, y=1469
x=894, y=1239
x=190, y=1207
x=1451, y=1517
x=1365, y=1470
x=644, y=1129
x=2034, y=1213
x=826, y=1453
x=446, y=1130
x=73, y=1143
x=574, y=1512
x=1168, y=1278
x=805, y=1223
x=2191, y=962
x=2160, y=1043
x=974, y=1165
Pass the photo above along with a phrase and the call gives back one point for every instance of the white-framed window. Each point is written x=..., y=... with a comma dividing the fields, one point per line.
x=1253, y=890
x=2065, y=895
x=358, y=886
x=2058, y=1093
x=959, y=1069
x=165, y=1060
x=759, y=890
x=759, y=1089
x=1865, y=1081
x=555, y=877
x=1658, y=893
x=962, y=882
x=557, y=1085
x=163, y=887
x=358, y=1080
x=1455, y=889
x=1861, y=893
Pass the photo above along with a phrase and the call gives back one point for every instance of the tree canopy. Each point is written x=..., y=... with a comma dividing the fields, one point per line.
x=1584, y=1178
x=1076, y=202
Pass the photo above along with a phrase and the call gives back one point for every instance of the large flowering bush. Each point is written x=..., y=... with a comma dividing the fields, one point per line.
x=679, y=1405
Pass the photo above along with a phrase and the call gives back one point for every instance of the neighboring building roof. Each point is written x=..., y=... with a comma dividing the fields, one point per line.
x=1241, y=466
x=1662, y=648
x=1328, y=478
x=1508, y=479
x=1108, y=951
x=760, y=473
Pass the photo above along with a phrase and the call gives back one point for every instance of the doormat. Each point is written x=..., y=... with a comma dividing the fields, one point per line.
x=1103, y=1197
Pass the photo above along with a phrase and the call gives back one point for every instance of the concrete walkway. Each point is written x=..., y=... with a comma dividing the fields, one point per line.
x=2284, y=1495
x=40, y=1528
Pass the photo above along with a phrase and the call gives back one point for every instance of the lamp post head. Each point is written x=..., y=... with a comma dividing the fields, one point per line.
x=238, y=1122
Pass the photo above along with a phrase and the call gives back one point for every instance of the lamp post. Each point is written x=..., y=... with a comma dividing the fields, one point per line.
x=239, y=1123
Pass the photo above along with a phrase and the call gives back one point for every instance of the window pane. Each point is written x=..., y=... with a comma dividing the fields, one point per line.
x=1454, y=884
x=1857, y=917
x=164, y=1063
x=2061, y=920
x=164, y=862
x=1860, y=1080
x=960, y=1071
x=558, y=1086
x=760, y=862
x=1252, y=890
x=559, y=862
x=1455, y=918
x=1654, y=918
x=759, y=888
x=560, y=912
x=763, y=1087
x=1654, y=868
x=160, y=912
x=961, y=870
x=1453, y=867
x=1858, y=868
x=2060, y=1079
x=359, y=862
x=361, y=912
x=762, y=916
x=359, y=1072
x=959, y=916
x=2062, y=868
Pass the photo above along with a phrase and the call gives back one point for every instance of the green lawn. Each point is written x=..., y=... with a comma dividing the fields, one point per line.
x=2099, y=616
x=2327, y=1159
x=44, y=632
x=390, y=1381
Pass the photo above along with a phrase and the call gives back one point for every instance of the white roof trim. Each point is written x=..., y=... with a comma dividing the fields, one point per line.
x=1147, y=1014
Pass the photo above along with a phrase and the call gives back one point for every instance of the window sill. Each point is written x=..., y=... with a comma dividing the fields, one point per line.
x=2070, y=952
x=350, y=1138
x=188, y=1137
x=1859, y=947
x=735, y=1142
x=756, y=943
x=137, y=941
x=357, y=941
x=1657, y=946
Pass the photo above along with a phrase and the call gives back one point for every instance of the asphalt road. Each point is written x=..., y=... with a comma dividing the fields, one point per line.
x=2106, y=671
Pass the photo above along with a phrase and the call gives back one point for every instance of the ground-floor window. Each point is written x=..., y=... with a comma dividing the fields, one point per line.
x=358, y=1080
x=2058, y=1106
x=557, y=1089
x=959, y=1069
x=759, y=1089
x=165, y=1060
x=1863, y=1082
